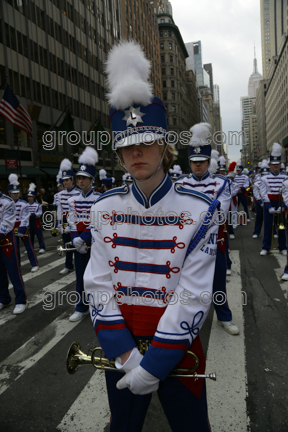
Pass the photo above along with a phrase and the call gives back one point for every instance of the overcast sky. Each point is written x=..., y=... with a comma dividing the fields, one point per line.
x=227, y=31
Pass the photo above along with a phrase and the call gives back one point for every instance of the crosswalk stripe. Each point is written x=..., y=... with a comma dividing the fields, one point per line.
x=226, y=356
x=46, y=255
x=42, y=270
x=14, y=366
x=90, y=411
x=282, y=261
x=6, y=314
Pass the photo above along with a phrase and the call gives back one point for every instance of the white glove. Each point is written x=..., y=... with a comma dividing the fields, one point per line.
x=271, y=210
x=20, y=235
x=67, y=229
x=60, y=228
x=262, y=204
x=82, y=249
x=132, y=362
x=139, y=381
x=78, y=242
x=278, y=210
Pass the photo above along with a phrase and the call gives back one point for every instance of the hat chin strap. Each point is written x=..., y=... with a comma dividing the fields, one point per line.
x=155, y=172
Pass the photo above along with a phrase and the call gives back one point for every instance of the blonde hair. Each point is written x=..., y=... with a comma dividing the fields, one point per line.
x=169, y=157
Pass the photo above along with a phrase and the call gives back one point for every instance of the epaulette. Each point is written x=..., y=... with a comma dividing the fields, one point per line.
x=220, y=176
x=183, y=190
x=121, y=190
x=7, y=197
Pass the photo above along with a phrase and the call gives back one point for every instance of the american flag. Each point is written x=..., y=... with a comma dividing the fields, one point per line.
x=14, y=112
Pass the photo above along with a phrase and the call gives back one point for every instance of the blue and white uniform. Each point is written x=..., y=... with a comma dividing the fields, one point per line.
x=215, y=186
x=242, y=181
x=138, y=253
x=79, y=223
x=8, y=254
x=62, y=210
x=35, y=226
x=22, y=223
x=270, y=186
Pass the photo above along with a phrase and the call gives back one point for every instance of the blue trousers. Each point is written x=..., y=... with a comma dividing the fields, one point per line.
x=243, y=200
x=228, y=260
x=259, y=218
x=230, y=229
x=268, y=222
x=219, y=286
x=69, y=255
x=30, y=250
x=35, y=228
x=81, y=261
x=184, y=411
x=9, y=264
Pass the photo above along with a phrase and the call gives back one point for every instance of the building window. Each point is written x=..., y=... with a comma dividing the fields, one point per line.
x=171, y=58
x=162, y=20
x=174, y=121
x=173, y=96
x=162, y=58
x=173, y=108
x=172, y=71
x=164, y=83
x=164, y=96
x=161, y=33
x=163, y=71
x=161, y=45
x=169, y=33
x=172, y=83
x=170, y=45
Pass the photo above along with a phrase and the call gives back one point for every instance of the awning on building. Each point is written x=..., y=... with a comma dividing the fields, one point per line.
x=26, y=172
x=52, y=172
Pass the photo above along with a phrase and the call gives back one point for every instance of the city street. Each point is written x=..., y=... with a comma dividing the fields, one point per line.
x=37, y=394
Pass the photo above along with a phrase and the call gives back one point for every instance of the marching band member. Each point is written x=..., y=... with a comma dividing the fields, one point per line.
x=285, y=200
x=127, y=179
x=175, y=172
x=222, y=166
x=243, y=183
x=9, y=257
x=35, y=226
x=79, y=223
x=134, y=254
x=107, y=182
x=270, y=186
x=214, y=186
x=233, y=216
x=69, y=191
x=257, y=196
x=22, y=222
x=59, y=181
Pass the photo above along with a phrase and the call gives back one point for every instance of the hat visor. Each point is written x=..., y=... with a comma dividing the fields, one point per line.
x=67, y=177
x=275, y=163
x=15, y=191
x=84, y=174
x=195, y=158
x=147, y=138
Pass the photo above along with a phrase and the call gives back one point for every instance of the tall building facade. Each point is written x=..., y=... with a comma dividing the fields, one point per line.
x=162, y=6
x=52, y=52
x=202, y=76
x=253, y=136
x=140, y=23
x=254, y=79
x=246, y=110
x=274, y=24
x=208, y=68
x=216, y=93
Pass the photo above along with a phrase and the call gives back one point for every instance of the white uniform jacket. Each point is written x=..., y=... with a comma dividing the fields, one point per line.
x=35, y=210
x=63, y=206
x=79, y=214
x=7, y=215
x=242, y=181
x=22, y=215
x=138, y=254
x=270, y=186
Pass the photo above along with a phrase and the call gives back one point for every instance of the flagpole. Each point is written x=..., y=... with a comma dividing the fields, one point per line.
x=20, y=170
x=64, y=112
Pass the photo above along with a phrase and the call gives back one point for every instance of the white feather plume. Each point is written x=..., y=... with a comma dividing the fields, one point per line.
x=124, y=176
x=65, y=165
x=239, y=162
x=201, y=132
x=113, y=179
x=128, y=72
x=102, y=174
x=260, y=164
x=246, y=171
x=222, y=160
x=282, y=165
x=89, y=156
x=176, y=169
x=213, y=166
x=276, y=150
x=265, y=163
x=286, y=169
x=232, y=174
x=215, y=155
x=13, y=179
x=59, y=176
x=32, y=187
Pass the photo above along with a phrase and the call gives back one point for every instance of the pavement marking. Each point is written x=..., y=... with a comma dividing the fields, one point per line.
x=90, y=411
x=41, y=296
x=14, y=366
x=282, y=261
x=41, y=270
x=226, y=356
x=46, y=255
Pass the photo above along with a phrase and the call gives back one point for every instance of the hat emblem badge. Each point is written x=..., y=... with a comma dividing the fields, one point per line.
x=14, y=187
x=64, y=173
x=275, y=158
x=197, y=150
x=83, y=167
x=133, y=116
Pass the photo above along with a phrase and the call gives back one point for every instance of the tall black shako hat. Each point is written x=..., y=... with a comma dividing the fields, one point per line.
x=200, y=146
x=136, y=115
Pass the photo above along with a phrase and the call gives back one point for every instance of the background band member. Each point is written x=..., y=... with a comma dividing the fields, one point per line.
x=136, y=258
x=258, y=200
x=9, y=257
x=79, y=222
x=35, y=226
x=21, y=228
x=242, y=180
x=270, y=194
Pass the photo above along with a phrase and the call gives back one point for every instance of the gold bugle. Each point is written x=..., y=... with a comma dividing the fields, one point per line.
x=76, y=358
x=6, y=244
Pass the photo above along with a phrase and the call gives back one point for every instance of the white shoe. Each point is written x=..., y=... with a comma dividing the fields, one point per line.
x=255, y=236
x=77, y=316
x=285, y=277
x=65, y=271
x=228, y=272
x=34, y=269
x=229, y=327
x=4, y=305
x=25, y=252
x=232, y=236
x=235, y=227
x=41, y=250
x=263, y=252
x=284, y=252
x=275, y=236
x=248, y=220
x=19, y=308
